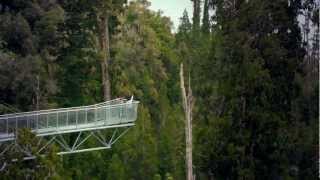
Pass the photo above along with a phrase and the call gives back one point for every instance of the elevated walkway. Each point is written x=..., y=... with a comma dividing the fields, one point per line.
x=82, y=123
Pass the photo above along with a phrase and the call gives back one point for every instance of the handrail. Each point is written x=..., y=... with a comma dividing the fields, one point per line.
x=53, y=111
x=58, y=109
x=112, y=112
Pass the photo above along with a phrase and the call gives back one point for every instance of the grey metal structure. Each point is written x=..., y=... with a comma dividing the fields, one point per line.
x=84, y=122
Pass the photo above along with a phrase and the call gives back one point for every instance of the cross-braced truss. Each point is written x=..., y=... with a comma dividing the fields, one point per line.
x=73, y=145
x=76, y=142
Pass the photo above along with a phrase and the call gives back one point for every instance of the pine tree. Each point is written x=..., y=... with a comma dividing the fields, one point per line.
x=196, y=18
x=184, y=28
x=205, y=19
x=256, y=61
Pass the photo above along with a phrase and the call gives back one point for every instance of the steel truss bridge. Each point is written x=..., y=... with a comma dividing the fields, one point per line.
x=72, y=130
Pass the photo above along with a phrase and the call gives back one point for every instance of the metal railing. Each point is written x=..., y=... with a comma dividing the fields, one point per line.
x=55, y=121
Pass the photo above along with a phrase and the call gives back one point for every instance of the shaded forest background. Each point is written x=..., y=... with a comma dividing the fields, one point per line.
x=253, y=68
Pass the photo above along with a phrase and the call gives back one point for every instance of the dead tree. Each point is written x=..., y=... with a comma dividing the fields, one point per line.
x=188, y=103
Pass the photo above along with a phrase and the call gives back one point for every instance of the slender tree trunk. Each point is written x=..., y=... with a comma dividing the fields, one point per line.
x=196, y=15
x=187, y=102
x=104, y=46
x=38, y=93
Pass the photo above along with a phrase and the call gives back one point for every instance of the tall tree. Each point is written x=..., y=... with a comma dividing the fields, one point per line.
x=188, y=104
x=104, y=45
x=79, y=60
x=205, y=19
x=256, y=59
x=196, y=18
x=104, y=10
x=146, y=65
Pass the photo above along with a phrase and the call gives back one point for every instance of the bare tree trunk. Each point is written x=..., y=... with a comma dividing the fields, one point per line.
x=315, y=52
x=187, y=102
x=104, y=46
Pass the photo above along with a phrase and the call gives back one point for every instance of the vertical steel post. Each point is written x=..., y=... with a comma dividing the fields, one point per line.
x=95, y=114
x=120, y=113
x=37, y=122
x=127, y=112
x=27, y=122
x=86, y=118
x=67, y=118
x=77, y=118
x=105, y=119
x=110, y=114
x=16, y=127
x=57, y=119
x=7, y=125
x=47, y=121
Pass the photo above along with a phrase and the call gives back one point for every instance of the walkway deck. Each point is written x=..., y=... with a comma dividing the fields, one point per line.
x=109, y=114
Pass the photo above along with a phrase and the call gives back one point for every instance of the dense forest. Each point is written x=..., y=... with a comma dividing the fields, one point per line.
x=252, y=66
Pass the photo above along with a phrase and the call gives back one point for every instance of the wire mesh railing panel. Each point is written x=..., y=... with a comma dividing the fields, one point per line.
x=52, y=120
x=11, y=126
x=103, y=114
x=114, y=116
x=90, y=115
x=32, y=122
x=62, y=119
x=81, y=117
x=72, y=118
x=3, y=127
x=42, y=121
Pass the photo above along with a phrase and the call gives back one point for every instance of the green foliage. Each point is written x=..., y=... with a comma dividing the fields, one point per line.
x=251, y=78
x=206, y=17
x=196, y=18
x=39, y=168
x=254, y=117
x=116, y=169
x=30, y=42
x=145, y=66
